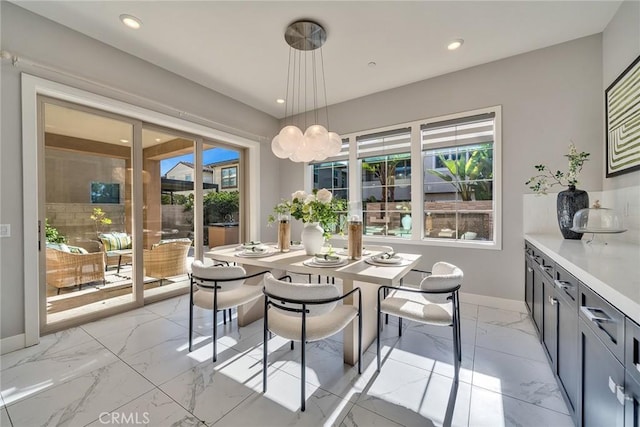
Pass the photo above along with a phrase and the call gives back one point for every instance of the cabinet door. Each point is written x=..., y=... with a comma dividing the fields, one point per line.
x=538, y=300
x=566, y=366
x=528, y=283
x=600, y=375
x=550, y=323
x=632, y=403
x=632, y=349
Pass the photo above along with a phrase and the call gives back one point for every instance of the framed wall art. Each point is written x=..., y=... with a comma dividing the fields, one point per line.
x=622, y=107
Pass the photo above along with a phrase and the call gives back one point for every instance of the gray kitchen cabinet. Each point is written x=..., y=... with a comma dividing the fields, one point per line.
x=600, y=382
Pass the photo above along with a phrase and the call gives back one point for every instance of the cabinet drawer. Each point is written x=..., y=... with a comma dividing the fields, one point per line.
x=545, y=264
x=632, y=350
x=604, y=320
x=566, y=285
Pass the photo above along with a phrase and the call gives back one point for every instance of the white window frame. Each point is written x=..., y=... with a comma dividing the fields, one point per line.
x=417, y=172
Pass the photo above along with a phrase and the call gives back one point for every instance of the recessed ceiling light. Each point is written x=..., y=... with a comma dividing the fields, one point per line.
x=372, y=64
x=124, y=140
x=280, y=101
x=131, y=21
x=158, y=139
x=455, y=44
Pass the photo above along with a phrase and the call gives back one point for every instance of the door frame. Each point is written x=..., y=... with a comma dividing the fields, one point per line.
x=31, y=87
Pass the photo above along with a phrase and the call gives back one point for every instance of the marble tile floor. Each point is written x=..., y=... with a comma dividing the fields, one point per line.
x=135, y=369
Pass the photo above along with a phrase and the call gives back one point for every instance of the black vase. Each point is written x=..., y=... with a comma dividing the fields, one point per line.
x=570, y=201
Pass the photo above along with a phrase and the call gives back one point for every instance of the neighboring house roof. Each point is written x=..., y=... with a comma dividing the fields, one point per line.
x=223, y=163
x=205, y=168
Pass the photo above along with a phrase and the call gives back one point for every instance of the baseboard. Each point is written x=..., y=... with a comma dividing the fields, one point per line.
x=495, y=302
x=9, y=344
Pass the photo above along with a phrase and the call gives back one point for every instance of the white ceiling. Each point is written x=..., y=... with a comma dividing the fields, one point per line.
x=238, y=48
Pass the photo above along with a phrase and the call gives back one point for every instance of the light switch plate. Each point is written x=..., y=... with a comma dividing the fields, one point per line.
x=5, y=230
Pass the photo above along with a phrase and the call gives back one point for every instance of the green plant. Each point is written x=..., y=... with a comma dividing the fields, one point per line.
x=52, y=234
x=221, y=206
x=546, y=179
x=320, y=206
x=467, y=172
x=100, y=219
x=385, y=171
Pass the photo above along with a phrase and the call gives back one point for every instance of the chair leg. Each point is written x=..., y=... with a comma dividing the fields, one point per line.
x=386, y=316
x=224, y=316
x=360, y=342
x=400, y=326
x=291, y=344
x=190, y=314
x=379, y=323
x=302, y=375
x=457, y=345
x=58, y=291
x=215, y=335
x=265, y=353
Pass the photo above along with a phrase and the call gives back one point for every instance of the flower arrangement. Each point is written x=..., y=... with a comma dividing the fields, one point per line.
x=320, y=206
x=546, y=179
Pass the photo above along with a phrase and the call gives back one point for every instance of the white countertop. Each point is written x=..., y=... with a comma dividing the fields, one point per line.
x=612, y=270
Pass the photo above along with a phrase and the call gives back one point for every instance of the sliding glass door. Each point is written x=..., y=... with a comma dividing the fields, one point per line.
x=168, y=222
x=86, y=183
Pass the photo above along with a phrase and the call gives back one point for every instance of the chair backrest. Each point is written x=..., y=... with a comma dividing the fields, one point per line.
x=301, y=292
x=199, y=271
x=443, y=276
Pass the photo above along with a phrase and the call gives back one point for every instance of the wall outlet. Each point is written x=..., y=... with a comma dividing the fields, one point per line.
x=5, y=230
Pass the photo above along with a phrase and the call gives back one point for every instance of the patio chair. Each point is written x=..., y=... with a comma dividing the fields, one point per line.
x=117, y=248
x=67, y=269
x=166, y=259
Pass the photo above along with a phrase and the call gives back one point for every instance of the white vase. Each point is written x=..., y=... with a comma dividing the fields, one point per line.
x=312, y=238
x=406, y=222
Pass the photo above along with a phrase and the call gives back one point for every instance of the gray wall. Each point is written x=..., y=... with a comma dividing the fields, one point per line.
x=549, y=97
x=620, y=46
x=45, y=42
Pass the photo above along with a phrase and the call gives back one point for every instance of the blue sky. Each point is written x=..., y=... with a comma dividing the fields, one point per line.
x=210, y=156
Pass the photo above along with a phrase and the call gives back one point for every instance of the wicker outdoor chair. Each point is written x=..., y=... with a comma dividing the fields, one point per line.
x=66, y=269
x=166, y=260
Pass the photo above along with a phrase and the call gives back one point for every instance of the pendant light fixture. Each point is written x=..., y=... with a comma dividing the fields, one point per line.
x=317, y=142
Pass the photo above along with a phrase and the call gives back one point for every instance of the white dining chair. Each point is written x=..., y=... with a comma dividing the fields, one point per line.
x=435, y=302
x=219, y=287
x=306, y=312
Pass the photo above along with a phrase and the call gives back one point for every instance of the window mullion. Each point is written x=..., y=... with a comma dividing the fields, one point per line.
x=417, y=193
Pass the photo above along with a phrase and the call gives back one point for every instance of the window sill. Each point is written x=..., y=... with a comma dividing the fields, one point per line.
x=463, y=244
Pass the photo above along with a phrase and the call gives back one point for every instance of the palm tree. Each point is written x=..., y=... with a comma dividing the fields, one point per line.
x=466, y=171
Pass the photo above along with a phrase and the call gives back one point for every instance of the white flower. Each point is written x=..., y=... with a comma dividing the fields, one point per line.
x=310, y=198
x=324, y=196
x=300, y=195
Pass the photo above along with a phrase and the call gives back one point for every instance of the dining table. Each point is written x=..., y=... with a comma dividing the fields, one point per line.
x=364, y=273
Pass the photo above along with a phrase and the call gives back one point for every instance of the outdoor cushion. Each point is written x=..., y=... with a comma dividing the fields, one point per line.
x=165, y=241
x=66, y=248
x=115, y=241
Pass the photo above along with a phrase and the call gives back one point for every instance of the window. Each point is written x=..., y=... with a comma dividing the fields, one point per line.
x=458, y=178
x=385, y=160
x=104, y=192
x=229, y=177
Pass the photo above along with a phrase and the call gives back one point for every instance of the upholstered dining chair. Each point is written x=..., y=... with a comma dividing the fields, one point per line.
x=435, y=302
x=306, y=312
x=219, y=287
